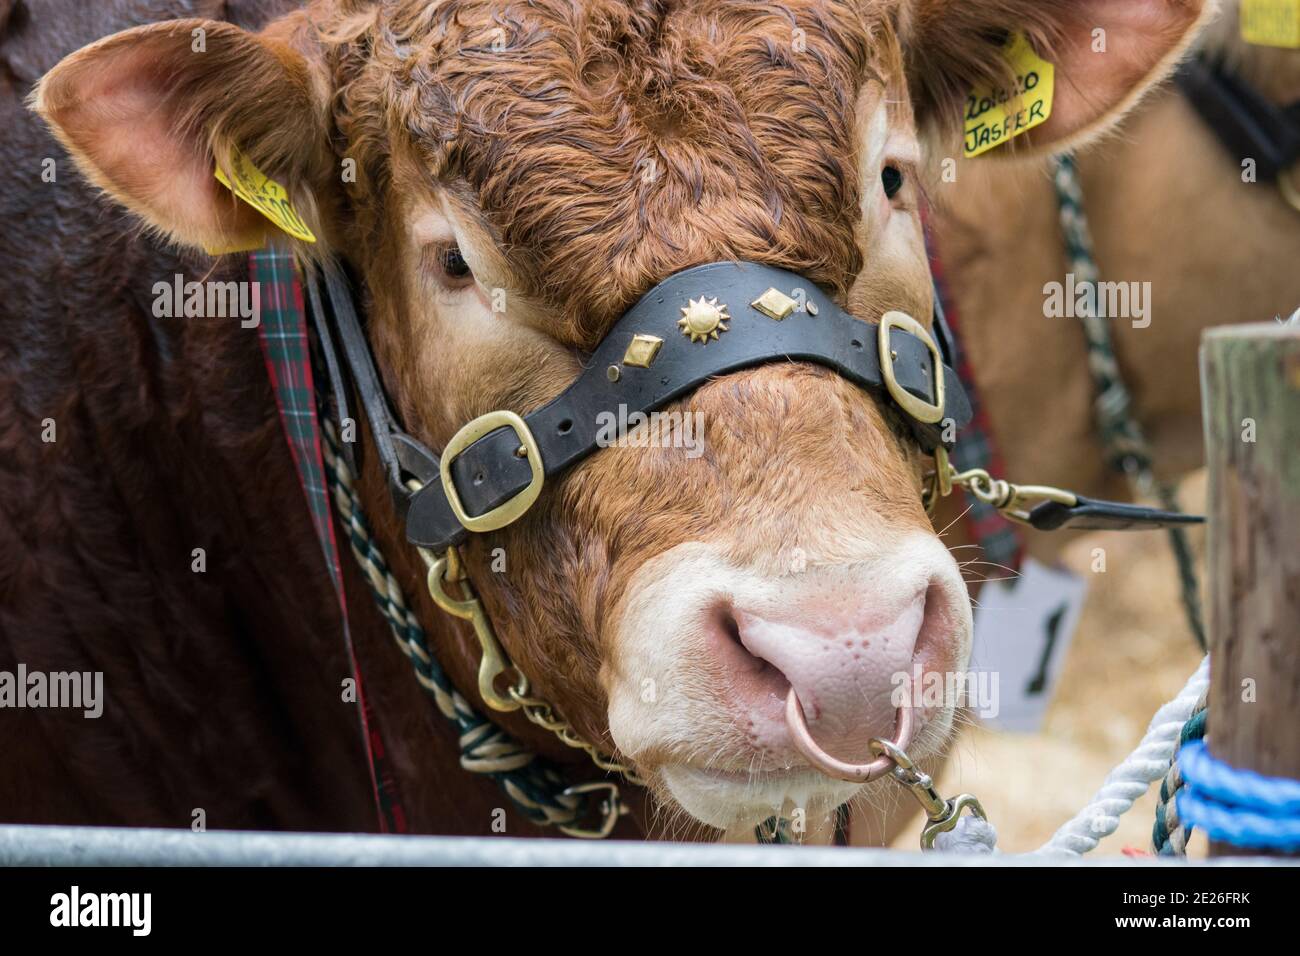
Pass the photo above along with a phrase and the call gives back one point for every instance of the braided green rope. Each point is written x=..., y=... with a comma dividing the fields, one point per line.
x=1169, y=836
x=533, y=784
x=1126, y=446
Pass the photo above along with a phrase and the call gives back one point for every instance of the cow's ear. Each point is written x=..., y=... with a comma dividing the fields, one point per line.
x=1106, y=54
x=147, y=113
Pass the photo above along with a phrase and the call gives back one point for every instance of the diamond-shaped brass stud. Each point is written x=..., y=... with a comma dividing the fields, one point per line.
x=775, y=304
x=642, y=350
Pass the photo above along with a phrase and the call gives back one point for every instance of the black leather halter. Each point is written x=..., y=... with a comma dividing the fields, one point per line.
x=1247, y=124
x=495, y=466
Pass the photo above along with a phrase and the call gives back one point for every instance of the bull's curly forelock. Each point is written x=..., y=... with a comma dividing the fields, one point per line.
x=609, y=144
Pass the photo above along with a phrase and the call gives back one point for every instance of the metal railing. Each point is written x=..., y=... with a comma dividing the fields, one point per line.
x=112, y=846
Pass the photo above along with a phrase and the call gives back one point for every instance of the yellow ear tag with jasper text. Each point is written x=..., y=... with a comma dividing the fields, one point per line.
x=1271, y=22
x=264, y=194
x=996, y=116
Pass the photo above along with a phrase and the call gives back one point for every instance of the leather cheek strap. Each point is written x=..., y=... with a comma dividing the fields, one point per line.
x=1248, y=124
x=496, y=469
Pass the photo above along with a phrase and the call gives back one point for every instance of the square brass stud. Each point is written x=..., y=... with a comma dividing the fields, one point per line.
x=642, y=351
x=775, y=304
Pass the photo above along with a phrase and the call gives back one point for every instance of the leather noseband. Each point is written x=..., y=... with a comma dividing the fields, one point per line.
x=696, y=325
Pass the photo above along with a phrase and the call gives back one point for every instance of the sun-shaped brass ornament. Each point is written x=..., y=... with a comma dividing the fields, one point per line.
x=703, y=319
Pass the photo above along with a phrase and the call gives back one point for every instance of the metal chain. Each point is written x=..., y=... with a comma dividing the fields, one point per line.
x=544, y=715
x=449, y=570
x=533, y=784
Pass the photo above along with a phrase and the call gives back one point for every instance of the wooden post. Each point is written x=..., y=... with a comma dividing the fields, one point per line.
x=1250, y=379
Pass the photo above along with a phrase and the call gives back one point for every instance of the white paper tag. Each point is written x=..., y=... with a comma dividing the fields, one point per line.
x=1023, y=629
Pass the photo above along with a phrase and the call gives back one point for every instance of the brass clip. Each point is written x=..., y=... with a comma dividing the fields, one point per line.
x=947, y=820
x=939, y=484
x=1014, y=502
x=611, y=808
x=493, y=663
x=449, y=569
x=942, y=814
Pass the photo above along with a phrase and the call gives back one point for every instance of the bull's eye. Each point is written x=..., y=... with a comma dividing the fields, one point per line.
x=452, y=263
x=891, y=177
x=449, y=267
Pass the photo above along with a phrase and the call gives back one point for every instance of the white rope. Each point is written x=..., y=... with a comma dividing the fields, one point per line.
x=1131, y=779
x=970, y=835
x=1124, y=785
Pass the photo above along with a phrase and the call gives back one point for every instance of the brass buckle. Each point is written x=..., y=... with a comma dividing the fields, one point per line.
x=920, y=410
x=512, y=510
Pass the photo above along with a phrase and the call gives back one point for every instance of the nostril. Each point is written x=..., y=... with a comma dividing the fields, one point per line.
x=937, y=626
x=729, y=626
x=742, y=655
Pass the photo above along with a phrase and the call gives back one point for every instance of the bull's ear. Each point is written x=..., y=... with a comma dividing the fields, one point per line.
x=1106, y=54
x=146, y=114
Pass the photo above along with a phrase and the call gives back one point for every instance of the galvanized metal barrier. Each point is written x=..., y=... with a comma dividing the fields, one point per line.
x=111, y=846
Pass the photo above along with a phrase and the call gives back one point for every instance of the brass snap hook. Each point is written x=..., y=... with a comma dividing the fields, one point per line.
x=947, y=820
x=939, y=483
x=942, y=814
x=1013, y=502
x=610, y=808
x=493, y=663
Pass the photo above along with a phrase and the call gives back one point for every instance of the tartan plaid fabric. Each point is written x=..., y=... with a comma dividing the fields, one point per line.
x=999, y=539
x=287, y=351
x=288, y=362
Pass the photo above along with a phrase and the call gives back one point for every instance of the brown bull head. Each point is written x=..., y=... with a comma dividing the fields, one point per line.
x=524, y=172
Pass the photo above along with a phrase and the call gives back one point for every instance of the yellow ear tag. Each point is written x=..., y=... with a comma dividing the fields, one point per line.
x=994, y=117
x=1271, y=22
x=235, y=247
x=264, y=194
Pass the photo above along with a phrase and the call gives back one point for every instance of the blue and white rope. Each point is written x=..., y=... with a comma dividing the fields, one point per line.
x=1149, y=762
